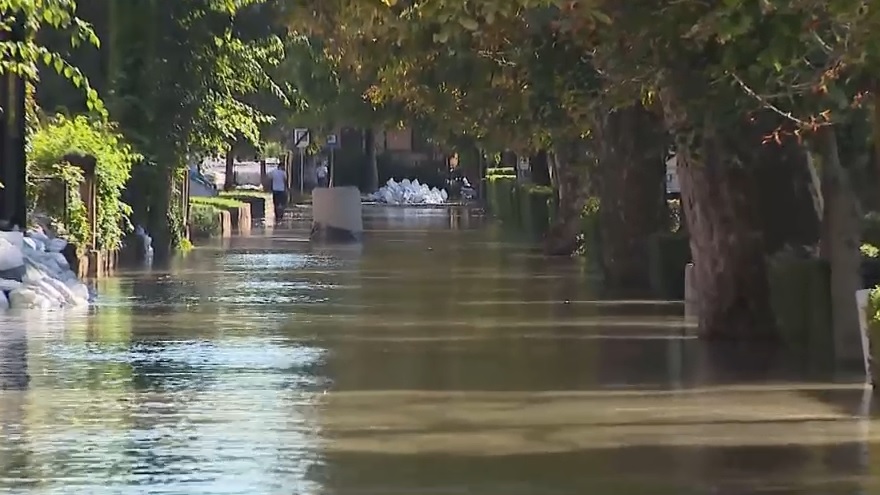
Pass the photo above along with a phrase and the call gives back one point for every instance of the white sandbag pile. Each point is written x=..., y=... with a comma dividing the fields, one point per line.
x=34, y=273
x=409, y=193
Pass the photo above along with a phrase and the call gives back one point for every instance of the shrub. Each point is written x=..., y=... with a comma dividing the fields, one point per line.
x=537, y=208
x=220, y=202
x=800, y=297
x=204, y=220
x=873, y=311
x=259, y=201
x=114, y=157
x=242, y=195
x=501, y=196
x=500, y=171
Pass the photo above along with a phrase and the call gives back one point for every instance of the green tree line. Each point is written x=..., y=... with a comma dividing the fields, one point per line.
x=769, y=107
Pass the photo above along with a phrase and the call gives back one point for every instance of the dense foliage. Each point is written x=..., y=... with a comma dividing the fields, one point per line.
x=21, y=54
x=63, y=136
x=599, y=89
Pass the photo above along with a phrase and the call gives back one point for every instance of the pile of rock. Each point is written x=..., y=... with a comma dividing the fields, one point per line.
x=35, y=274
x=408, y=192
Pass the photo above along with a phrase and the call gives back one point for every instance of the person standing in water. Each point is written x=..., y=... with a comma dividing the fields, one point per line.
x=279, y=190
x=322, y=174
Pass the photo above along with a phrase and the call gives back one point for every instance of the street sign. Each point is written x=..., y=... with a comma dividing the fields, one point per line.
x=522, y=163
x=332, y=141
x=301, y=138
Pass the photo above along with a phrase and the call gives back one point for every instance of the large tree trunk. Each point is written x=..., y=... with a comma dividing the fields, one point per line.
x=631, y=171
x=719, y=197
x=841, y=232
x=726, y=241
x=569, y=172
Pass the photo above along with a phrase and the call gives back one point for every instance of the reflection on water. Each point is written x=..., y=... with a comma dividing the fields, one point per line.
x=438, y=357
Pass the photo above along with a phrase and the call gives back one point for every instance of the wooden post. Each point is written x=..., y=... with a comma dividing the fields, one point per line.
x=88, y=192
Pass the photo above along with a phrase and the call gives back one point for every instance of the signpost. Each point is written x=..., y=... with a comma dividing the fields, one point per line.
x=301, y=138
x=301, y=142
x=333, y=145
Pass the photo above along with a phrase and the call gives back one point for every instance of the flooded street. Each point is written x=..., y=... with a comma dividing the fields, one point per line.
x=436, y=359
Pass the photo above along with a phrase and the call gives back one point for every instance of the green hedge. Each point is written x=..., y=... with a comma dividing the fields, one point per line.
x=204, y=220
x=223, y=203
x=537, y=208
x=496, y=171
x=259, y=201
x=873, y=319
x=801, y=301
x=243, y=195
x=500, y=193
x=114, y=158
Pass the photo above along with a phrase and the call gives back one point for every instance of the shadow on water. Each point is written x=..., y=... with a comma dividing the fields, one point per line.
x=438, y=357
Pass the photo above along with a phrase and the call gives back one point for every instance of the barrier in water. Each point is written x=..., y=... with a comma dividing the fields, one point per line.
x=337, y=215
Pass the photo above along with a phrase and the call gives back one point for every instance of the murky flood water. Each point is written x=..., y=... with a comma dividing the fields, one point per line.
x=435, y=359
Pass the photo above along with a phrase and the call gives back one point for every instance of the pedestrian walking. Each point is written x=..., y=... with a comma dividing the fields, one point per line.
x=279, y=190
x=322, y=173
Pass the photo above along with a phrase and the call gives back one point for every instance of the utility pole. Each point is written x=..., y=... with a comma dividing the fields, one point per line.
x=13, y=172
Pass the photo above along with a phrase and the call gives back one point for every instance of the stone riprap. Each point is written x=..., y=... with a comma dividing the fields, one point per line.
x=35, y=274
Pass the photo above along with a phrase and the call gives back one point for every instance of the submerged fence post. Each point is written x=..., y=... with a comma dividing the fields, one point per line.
x=88, y=192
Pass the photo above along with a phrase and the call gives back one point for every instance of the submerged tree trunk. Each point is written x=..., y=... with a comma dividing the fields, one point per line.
x=570, y=176
x=841, y=232
x=631, y=171
x=719, y=197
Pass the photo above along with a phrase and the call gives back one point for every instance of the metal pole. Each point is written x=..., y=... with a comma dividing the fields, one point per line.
x=302, y=164
x=332, y=166
x=288, y=170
